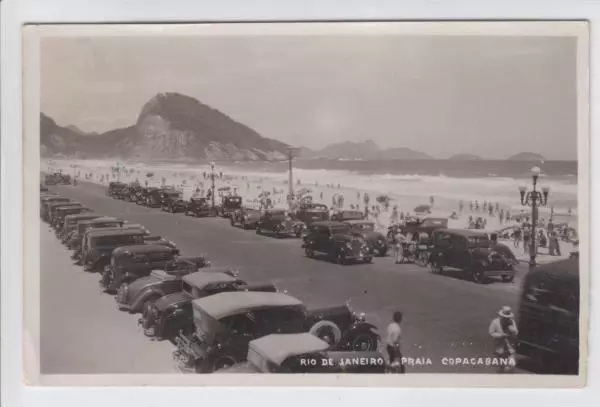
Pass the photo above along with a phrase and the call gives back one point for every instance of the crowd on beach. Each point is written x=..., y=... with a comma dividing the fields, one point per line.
x=265, y=192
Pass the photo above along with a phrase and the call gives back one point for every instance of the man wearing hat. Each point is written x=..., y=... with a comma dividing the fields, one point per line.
x=504, y=331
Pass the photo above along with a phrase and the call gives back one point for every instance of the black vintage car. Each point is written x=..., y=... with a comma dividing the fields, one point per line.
x=71, y=221
x=198, y=207
x=376, y=241
x=337, y=241
x=173, y=312
x=128, y=263
x=172, y=201
x=246, y=217
x=54, y=206
x=133, y=192
x=144, y=291
x=416, y=227
x=115, y=189
x=229, y=204
x=98, y=245
x=304, y=353
x=312, y=212
x=225, y=323
x=548, y=319
x=473, y=253
x=148, y=196
x=57, y=178
x=62, y=211
x=46, y=201
x=74, y=239
x=279, y=223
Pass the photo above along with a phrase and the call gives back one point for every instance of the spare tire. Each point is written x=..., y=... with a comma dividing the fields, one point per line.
x=328, y=331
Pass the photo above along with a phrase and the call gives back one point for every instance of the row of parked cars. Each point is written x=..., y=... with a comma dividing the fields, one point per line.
x=217, y=320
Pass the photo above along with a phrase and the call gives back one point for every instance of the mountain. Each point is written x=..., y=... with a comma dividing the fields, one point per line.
x=465, y=157
x=365, y=150
x=170, y=126
x=526, y=156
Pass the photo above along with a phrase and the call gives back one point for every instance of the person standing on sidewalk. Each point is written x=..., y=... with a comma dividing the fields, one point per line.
x=392, y=341
x=503, y=330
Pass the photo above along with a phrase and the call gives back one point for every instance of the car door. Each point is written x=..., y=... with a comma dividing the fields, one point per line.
x=458, y=255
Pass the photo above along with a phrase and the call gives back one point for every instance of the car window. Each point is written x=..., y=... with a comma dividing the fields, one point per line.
x=458, y=242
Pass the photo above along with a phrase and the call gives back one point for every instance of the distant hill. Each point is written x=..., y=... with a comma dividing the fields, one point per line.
x=465, y=157
x=526, y=156
x=365, y=150
x=170, y=126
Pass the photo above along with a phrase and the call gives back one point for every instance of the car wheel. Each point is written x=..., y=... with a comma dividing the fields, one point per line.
x=422, y=259
x=231, y=222
x=309, y=253
x=383, y=252
x=368, y=260
x=258, y=230
x=478, y=276
x=508, y=279
x=340, y=258
x=364, y=342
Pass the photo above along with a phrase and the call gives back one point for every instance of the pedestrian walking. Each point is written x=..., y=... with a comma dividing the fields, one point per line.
x=460, y=206
x=393, y=338
x=503, y=330
x=517, y=237
x=398, y=240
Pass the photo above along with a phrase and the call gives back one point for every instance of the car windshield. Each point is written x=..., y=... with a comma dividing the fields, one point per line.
x=120, y=239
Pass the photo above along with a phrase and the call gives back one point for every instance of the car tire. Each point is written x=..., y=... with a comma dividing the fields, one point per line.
x=231, y=222
x=368, y=260
x=309, y=253
x=122, y=288
x=363, y=342
x=383, y=252
x=478, y=276
x=508, y=279
x=422, y=259
x=258, y=230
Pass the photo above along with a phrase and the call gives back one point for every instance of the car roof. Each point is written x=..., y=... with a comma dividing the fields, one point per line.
x=116, y=232
x=103, y=219
x=328, y=223
x=145, y=248
x=201, y=279
x=230, y=303
x=465, y=232
x=562, y=270
x=82, y=216
x=278, y=347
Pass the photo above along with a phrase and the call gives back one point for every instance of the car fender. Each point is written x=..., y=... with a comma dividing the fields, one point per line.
x=101, y=260
x=125, y=278
x=145, y=294
x=364, y=327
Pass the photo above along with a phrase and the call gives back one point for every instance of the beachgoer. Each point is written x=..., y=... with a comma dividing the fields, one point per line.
x=543, y=241
x=526, y=237
x=460, y=206
x=398, y=240
x=393, y=337
x=517, y=237
x=321, y=195
x=503, y=330
x=476, y=206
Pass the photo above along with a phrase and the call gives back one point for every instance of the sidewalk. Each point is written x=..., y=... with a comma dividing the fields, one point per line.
x=542, y=256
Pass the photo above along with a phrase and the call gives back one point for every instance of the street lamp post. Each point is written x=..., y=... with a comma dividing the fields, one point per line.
x=534, y=199
x=212, y=179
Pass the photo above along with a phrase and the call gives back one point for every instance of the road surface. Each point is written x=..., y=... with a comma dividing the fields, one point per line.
x=83, y=332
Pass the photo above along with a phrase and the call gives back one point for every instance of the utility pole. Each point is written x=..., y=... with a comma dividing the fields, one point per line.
x=290, y=152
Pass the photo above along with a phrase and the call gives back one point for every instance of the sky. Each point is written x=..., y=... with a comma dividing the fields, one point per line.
x=443, y=95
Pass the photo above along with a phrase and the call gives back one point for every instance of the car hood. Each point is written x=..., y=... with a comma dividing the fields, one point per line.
x=172, y=299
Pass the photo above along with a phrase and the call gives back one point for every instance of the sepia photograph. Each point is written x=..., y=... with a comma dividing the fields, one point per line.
x=337, y=199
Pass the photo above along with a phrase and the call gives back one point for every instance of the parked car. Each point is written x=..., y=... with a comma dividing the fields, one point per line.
x=313, y=212
x=416, y=226
x=115, y=188
x=57, y=178
x=43, y=188
x=279, y=223
x=473, y=253
x=55, y=205
x=198, y=207
x=229, y=204
x=98, y=245
x=246, y=217
x=144, y=291
x=548, y=319
x=172, y=201
x=376, y=241
x=73, y=240
x=62, y=211
x=45, y=201
x=225, y=323
x=71, y=221
x=172, y=313
x=149, y=196
x=342, y=216
x=304, y=353
x=337, y=241
x=128, y=263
